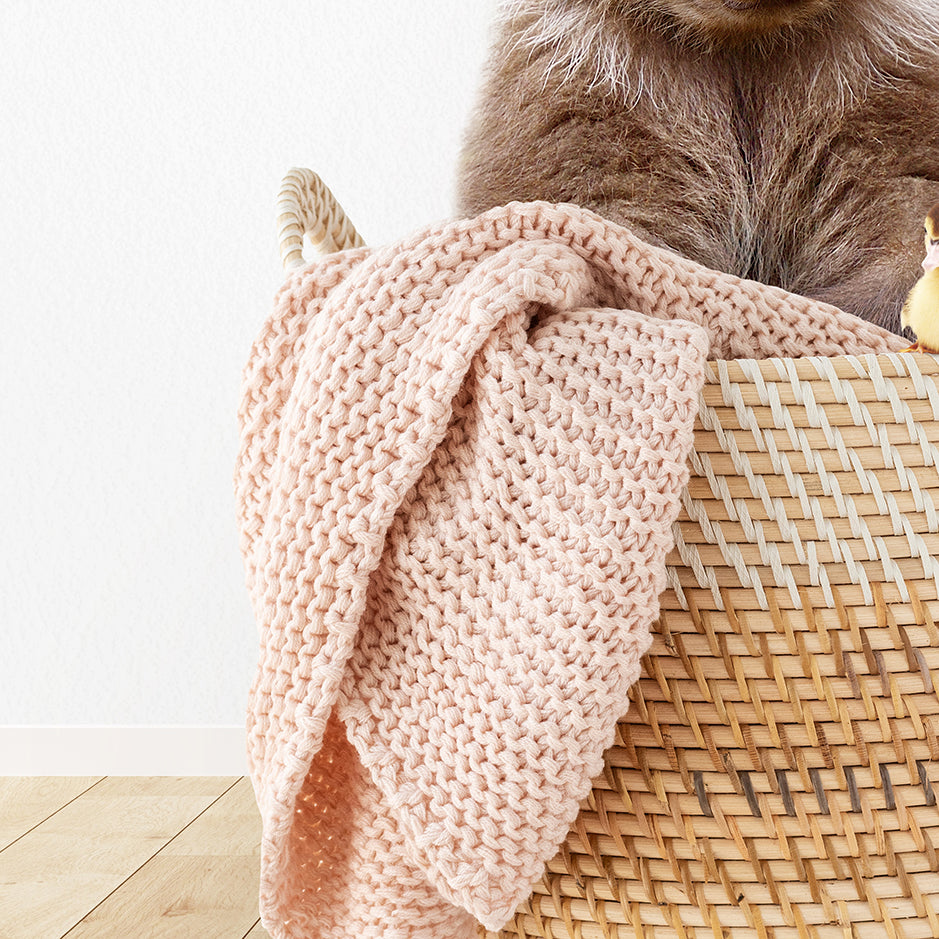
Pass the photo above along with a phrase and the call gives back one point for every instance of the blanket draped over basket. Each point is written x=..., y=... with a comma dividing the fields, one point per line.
x=461, y=459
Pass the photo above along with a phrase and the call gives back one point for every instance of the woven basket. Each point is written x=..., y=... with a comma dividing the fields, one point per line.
x=775, y=774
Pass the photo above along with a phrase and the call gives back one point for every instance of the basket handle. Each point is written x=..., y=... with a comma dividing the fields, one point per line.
x=306, y=206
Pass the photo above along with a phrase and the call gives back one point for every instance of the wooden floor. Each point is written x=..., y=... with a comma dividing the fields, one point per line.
x=115, y=857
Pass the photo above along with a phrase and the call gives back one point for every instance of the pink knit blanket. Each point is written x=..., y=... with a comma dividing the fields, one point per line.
x=461, y=459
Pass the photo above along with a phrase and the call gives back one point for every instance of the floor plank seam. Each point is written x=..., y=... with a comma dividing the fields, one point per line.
x=103, y=900
x=52, y=814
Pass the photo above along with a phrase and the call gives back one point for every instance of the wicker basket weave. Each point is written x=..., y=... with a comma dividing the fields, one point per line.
x=775, y=776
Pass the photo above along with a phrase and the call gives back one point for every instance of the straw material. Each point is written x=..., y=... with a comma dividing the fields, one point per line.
x=306, y=206
x=775, y=777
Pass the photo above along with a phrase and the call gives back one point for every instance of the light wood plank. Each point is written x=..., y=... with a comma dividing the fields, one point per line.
x=25, y=801
x=203, y=883
x=231, y=826
x=259, y=932
x=56, y=873
x=179, y=897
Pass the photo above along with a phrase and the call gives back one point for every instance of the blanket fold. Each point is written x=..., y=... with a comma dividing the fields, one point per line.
x=461, y=460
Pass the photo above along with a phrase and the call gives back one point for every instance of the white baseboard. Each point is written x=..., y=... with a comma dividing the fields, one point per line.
x=122, y=751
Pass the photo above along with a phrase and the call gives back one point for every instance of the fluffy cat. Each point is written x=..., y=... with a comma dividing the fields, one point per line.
x=793, y=142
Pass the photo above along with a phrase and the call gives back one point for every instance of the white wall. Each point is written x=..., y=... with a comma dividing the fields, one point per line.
x=141, y=150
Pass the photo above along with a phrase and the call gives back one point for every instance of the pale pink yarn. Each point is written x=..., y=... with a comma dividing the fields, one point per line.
x=462, y=457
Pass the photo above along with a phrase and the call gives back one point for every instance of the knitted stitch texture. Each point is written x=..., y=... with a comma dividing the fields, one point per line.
x=461, y=459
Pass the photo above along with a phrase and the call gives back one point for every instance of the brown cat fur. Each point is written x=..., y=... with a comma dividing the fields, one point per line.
x=791, y=142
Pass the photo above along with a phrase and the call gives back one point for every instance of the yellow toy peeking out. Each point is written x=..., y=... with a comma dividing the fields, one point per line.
x=921, y=310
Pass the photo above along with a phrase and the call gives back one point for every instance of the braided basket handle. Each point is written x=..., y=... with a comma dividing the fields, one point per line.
x=306, y=206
